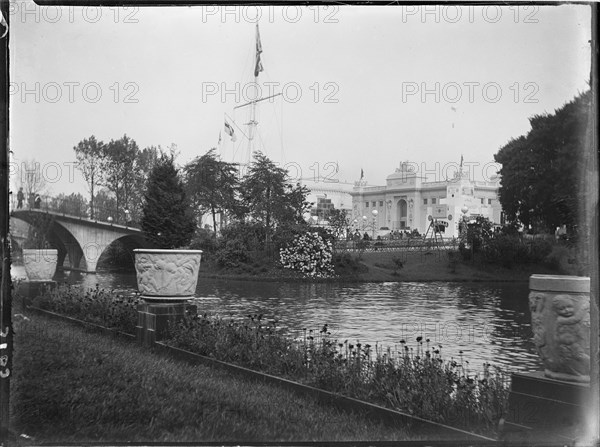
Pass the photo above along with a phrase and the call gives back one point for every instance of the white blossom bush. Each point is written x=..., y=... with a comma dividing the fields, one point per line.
x=310, y=255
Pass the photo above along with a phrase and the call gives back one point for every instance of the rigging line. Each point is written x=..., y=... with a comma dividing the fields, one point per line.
x=234, y=153
x=262, y=144
x=281, y=135
x=245, y=66
x=238, y=127
x=277, y=117
x=279, y=126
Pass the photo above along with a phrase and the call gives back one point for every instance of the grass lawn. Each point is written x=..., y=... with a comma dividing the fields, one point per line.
x=435, y=266
x=71, y=385
x=379, y=266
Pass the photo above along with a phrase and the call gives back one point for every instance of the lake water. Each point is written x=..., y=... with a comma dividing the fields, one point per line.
x=488, y=322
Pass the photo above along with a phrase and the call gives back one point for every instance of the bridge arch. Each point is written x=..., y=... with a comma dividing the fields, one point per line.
x=129, y=243
x=83, y=240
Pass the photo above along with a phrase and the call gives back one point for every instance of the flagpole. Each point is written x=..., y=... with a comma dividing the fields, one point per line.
x=252, y=124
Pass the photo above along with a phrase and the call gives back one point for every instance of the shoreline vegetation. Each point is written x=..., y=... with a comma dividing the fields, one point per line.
x=504, y=258
x=414, y=378
x=75, y=386
x=380, y=266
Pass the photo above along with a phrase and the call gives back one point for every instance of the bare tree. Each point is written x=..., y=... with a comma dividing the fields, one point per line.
x=31, y=179
x=89, y=161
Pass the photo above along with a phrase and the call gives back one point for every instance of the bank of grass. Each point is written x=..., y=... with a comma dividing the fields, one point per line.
x=70, y=385
x=434, y=265
x=385, y=266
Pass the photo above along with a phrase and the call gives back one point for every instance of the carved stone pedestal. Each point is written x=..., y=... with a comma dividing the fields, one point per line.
x=553, y=405
x=560, y=320
x=154, y=318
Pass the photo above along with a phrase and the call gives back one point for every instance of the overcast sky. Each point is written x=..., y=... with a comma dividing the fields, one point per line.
x=363, y=87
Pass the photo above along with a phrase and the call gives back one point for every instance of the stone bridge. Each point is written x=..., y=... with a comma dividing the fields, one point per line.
x=81, y=239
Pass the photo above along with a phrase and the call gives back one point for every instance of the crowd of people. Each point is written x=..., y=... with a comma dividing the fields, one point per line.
x=393, y=235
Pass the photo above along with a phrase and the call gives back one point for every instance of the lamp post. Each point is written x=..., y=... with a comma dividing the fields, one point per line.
x=110, y=220
x=463, y=233
x=353, y=228
x=126, y=218
x=364, y=223
x=374, y=213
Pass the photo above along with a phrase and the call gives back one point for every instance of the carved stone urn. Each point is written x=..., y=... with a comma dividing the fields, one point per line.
x=560, y=319
x=167, y=275
x=40, y=264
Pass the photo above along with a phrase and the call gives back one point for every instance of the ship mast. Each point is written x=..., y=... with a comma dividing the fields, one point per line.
x=252, y=124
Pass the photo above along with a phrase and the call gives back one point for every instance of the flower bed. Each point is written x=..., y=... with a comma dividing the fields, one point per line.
x=99, y=306
x=417, y=381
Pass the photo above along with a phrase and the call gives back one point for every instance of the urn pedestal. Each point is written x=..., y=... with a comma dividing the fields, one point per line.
x=154, y=319
x=560, y=320
x=166, y=280
x=553, y=405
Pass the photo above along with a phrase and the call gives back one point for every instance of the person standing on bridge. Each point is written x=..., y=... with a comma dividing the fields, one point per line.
x=38, y=201
x=20, y=198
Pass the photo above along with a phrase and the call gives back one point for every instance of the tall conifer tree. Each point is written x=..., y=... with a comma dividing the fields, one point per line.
x=167, y=218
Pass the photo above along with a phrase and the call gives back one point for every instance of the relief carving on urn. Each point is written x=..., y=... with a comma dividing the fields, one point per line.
x=167, y=273
x=560, y=319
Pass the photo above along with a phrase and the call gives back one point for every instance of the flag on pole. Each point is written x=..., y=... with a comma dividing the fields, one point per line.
x=219, y=143
x=362, y=173
x=229, y=131
x=259, y=67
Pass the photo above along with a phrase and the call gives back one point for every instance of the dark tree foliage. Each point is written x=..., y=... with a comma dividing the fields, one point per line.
x=39, y=232
x=73, y=204
x=143, y=164
x=339, y=221
x=167, y=218
x=540, y=170
x=212, y=185
x=268, y=198
x=106, y=205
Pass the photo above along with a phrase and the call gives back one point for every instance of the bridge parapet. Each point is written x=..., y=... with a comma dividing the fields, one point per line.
x=82, y=239
x=73, y=207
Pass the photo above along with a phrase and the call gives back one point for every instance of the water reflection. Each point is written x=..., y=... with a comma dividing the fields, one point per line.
x=488, y=322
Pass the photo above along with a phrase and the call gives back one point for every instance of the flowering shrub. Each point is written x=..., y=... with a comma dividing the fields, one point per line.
x=310, y=255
